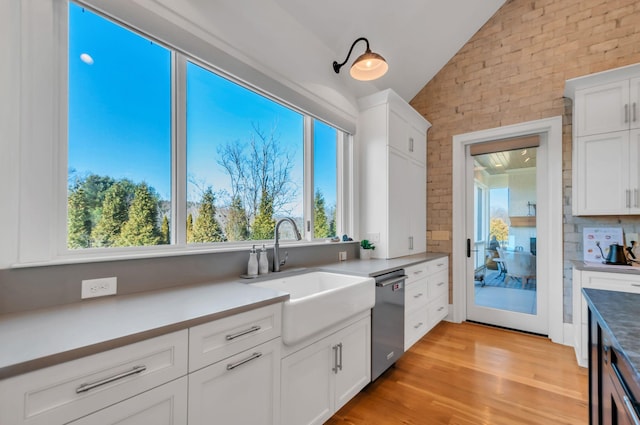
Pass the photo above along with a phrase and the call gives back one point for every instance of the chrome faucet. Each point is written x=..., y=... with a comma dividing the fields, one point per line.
x=276, y=246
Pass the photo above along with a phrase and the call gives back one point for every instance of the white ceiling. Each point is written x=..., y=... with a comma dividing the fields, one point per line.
x=416, y=37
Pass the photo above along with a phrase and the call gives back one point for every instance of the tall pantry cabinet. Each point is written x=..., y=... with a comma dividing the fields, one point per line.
x=392, y=143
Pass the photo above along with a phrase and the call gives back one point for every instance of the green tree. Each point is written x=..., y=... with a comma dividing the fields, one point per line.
x=499, y=229
x=115, y=210
x=189, y=228
x=332, y=223
x=141, y=227
x=264, y=224
x=206, y=228
x=237, y=225
x=165, y=233
x=321, y=227
x=78, y=219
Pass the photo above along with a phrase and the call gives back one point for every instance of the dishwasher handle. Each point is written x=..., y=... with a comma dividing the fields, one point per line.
x=390, y=281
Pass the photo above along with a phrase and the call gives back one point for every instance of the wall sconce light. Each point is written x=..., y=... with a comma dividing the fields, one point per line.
x=369, y=66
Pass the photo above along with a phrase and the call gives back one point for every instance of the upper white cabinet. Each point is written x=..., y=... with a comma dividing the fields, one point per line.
x=606, y=140
x=392, y=142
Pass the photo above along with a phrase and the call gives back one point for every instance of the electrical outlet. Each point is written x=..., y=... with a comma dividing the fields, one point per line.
x=342, y=256
x=99, y=287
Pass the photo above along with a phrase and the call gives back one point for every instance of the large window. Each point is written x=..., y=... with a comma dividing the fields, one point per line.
x=131, y=120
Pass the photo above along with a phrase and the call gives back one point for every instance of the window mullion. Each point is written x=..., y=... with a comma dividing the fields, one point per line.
x=179, y=149
x=308, y=191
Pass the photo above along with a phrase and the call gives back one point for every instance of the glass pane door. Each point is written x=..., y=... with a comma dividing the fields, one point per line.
x=504, y=290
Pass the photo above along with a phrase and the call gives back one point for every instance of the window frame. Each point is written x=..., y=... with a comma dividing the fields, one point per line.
x=51, y=248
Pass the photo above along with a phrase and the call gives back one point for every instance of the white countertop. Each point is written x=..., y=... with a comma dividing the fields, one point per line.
x=41, y=338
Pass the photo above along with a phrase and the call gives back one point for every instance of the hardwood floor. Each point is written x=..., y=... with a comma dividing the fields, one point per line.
x=470, y=374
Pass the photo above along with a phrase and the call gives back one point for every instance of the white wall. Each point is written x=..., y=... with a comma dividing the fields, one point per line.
x=522, y=189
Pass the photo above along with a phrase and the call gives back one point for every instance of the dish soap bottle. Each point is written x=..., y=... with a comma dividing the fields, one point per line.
x=252, y=266
x=264, y=261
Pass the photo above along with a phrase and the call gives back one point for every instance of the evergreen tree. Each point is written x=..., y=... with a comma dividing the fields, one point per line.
x=206, y=228
x=332, y=223
x=78, y=219
x=189, y=228
x=320, y=222
x=165, y=235
x=264, y=224
x=141, y=227
x=237, y=227
x=115, y=209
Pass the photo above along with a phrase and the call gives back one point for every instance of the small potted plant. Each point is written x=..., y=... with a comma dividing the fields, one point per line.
x=365, y=249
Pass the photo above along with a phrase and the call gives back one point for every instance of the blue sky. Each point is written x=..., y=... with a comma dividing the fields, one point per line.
x=120, y=109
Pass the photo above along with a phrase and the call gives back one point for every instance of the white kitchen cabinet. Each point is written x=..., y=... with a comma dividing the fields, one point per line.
x=391, y=139
x=163, y=405
x=68, y=391
x=320, y=378
x=607, y=174
x=622, y=282
x=426, y=298
x=241, y=389
x=606, y=157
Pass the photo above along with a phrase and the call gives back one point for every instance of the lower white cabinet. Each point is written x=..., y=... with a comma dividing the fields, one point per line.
x=319, y=379
x=241, y=389
x=163, y=405
x=426, y=298
x=621, y=282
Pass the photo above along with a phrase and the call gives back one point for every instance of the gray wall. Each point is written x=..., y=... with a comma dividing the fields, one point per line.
x=39, y=287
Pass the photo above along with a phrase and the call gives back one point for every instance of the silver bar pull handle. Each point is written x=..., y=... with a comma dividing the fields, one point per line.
x=441, y=308
x=628, y=193
x=255, y=328
x=634, y=112
x=418, y=295
x=254, y=356
x=410, y=144
x=410, y=242
x=86, y=387
x=340, y=364
x=631, y=410
x=390, y=281
x=418, y=325
x=635, y=198
x=637, y=285
x=440, y=283
x=626, y=112
x=335, y=359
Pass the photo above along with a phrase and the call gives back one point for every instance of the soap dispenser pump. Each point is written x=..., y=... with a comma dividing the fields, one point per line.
x=252, y=266
x=264, y=261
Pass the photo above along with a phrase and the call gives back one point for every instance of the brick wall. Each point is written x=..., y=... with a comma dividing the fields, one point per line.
x=513, y=70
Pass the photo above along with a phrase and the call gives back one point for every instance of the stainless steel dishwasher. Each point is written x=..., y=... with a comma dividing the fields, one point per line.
x=387, y=322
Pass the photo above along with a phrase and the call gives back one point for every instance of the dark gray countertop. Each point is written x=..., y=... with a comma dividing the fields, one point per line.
x=36, y=339
x=597, y=267
x=619, y=313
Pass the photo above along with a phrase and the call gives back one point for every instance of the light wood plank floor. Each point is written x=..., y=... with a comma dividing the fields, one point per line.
x=470, y=374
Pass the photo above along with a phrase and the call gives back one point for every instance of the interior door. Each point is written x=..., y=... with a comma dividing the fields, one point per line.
x=502, y=240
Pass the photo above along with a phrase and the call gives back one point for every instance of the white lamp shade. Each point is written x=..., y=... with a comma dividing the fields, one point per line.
x=368, y=66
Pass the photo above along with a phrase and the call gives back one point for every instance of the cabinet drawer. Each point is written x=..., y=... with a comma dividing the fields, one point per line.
x=438, y=265
x=64, y=392
x=217, y=340
x=415, y=272
x=415, y=295
x=438, y=310
x=438, y=284
x=416, y=325
x=164, y=405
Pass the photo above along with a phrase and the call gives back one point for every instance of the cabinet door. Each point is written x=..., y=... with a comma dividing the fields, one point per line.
x=602, y=109
x=399, y=205
x=602, y=165
x=163, y=405
x=399, y=133
x=307, y=384
x=634, y=171
x=417, y=201
x=354, y=359
x=634, y=100
x=242, y=389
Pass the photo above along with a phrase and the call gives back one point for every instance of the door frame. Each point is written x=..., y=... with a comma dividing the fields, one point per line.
x=549, y=217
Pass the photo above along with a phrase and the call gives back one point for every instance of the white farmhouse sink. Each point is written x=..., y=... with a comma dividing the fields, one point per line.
x=319, y=300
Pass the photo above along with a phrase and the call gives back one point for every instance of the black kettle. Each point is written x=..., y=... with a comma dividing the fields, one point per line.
x=616, y=254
